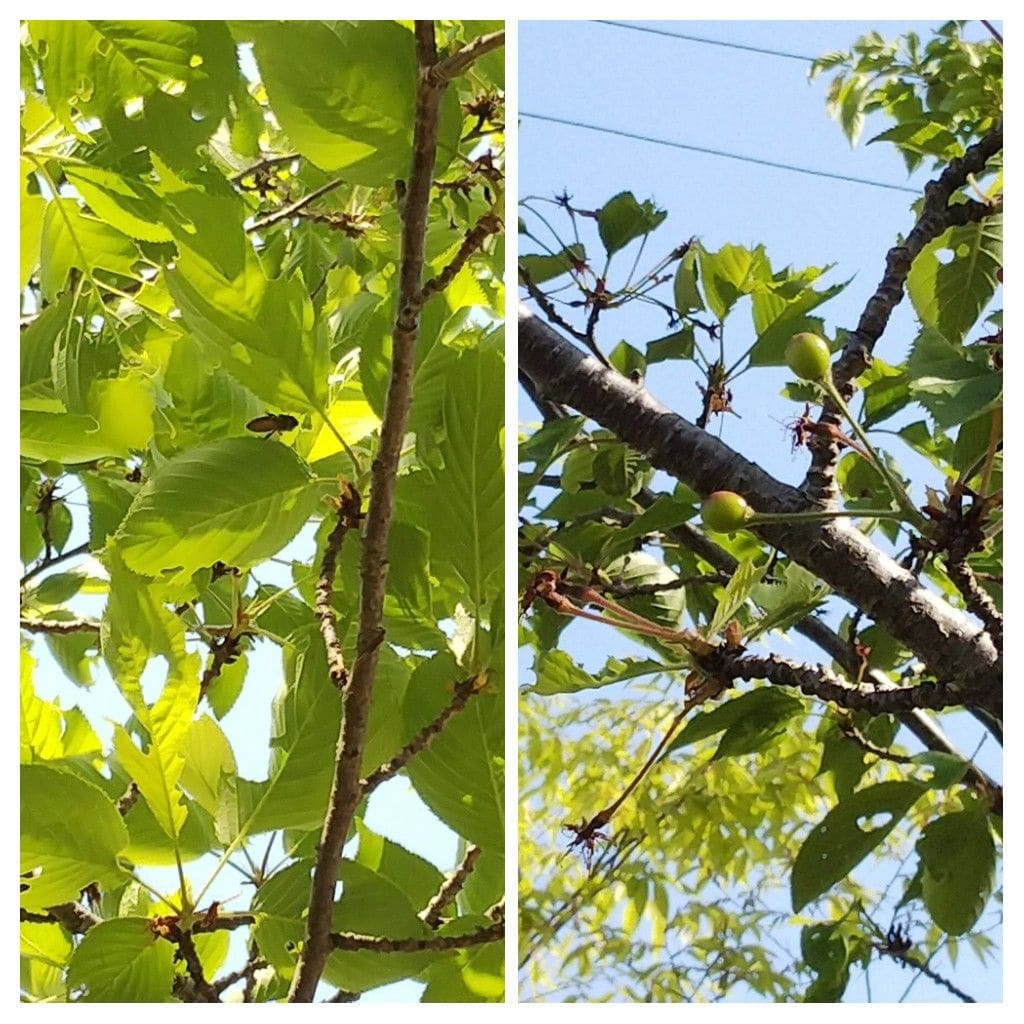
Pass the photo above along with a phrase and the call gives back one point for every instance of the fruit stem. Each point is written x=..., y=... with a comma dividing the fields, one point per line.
x=910, y=513
x=771, y=518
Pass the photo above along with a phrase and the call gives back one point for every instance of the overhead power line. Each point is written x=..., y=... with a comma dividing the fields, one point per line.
x=718, y=152
x=707, y=42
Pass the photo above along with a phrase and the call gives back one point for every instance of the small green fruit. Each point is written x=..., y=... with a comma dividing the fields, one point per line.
x=52, y=469
x=724, y=511
x=808, y=356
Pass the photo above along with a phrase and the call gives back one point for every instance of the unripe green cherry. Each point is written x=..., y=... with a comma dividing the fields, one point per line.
x=808, y=356
x=724, y=511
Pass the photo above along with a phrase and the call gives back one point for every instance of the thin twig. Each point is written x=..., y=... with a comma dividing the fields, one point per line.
x=548, y=308
x=992, y=31
x=348, y=515
x=346, y=792
x=424, y=737
x=851, y=732
x=906, y=960
x=72, y=916
x=48, y=563
x=252, y=965
x=344, y=996
x=293, y=208
x=975, y=597
x=61, y=627
x=349, y=941
x=450, y=888
x=488, y=224
x=264, y=164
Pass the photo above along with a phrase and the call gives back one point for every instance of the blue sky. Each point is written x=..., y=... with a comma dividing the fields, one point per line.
x=757, y=105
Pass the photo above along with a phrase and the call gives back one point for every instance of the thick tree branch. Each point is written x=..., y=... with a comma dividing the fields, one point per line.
x=942, y=637
x=437, y=943
x=450, y=888
x=424, y=737
x=346, y=791
x=818, y=681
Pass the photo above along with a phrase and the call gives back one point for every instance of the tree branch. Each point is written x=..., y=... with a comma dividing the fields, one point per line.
x=424, y=737
x=942, y=637
x=451, y=67
x=293, y=208
x=350, y=941
x=265, y=164
x=936, y=217
x=976, y=599
x=59, y=626
x=488, y=224
x=47, y=563
x=346, y=791
x=818, y=681
x=450, y=888
x=75, y=918
x=206, y=992
x=348, y=510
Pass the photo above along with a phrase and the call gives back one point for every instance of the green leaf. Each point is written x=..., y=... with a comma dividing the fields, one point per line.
x=238, y=501
x=71, y=239
x=372, y=904
x=623, y=219
x=952, y=383
x=794, y=594
x=306, y=716
x=825, y=951
x=71, y=835
x=462, y=506
x=758, y=728
x=627, y=360
x=764, y=705
x=541, y=268
x=96, y=67
x=123, y=961
x=846, y=835
x=130, y=206
x=958, y=860
x=946, y=769
x=157, y=770
x=348, y=105
x=950, y=296
x=261, y=330
x=460, y=776
x=640, y=569
x=744, y=579
x=416, y=877
x=678, y=345
x=729, y=273
x=684, y=285
x=208, y=762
